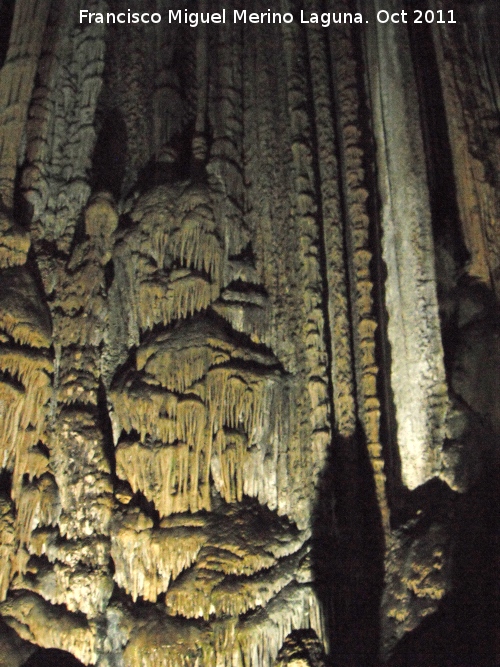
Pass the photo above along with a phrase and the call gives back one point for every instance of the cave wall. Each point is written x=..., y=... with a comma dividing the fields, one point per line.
x=248, y=337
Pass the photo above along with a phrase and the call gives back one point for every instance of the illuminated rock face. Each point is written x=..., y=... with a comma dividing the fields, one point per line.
x=241, y=382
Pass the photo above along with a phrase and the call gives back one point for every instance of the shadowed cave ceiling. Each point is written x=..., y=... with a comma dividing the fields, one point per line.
x=249, y=338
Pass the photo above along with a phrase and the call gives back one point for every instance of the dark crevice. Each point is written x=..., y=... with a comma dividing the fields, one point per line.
x=47, y=248
x=129, y=437
x=110, y=155
x=176, y=168
x=463, y=632
x=25, y=348
x=109, y=275
x=52, y=658
x=141, y=609
x=146, y=506
x=5, y=483
x=13, y=382
x=22, y=209
x=246, y=288
x=251, y=366
x=79, y=236
x=6, y=20
x=104, y=423
x=424, y=501
x=78, y=407
x=247, y=256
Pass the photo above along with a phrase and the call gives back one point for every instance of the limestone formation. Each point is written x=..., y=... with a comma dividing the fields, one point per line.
x=248, y=335
x=418, y=375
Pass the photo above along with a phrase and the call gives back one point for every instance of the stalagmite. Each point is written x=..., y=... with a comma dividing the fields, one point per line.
x=295, y=608
x=418, y=578
x=301, y=650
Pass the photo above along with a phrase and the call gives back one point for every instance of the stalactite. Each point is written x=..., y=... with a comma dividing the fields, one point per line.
x=178, y=368
x=175, y=474
x=220, y=566
x=16, y=84
x=38, y=505
x=25, y=396
x=175, y=478
x=266, y=161
x=146, y=559
x=225, y=161
x=227, y=464
x=169, y=644
x=192, y=319
x=130, y=69
x=22, y=316
x=177, y=87
x=60, y=137
x=255, y=642
x=418, y=378
x=304, y=219
x=202, y=592
x=170, y=263
x=262, y=635
x=346, y=82
x=333, y=235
